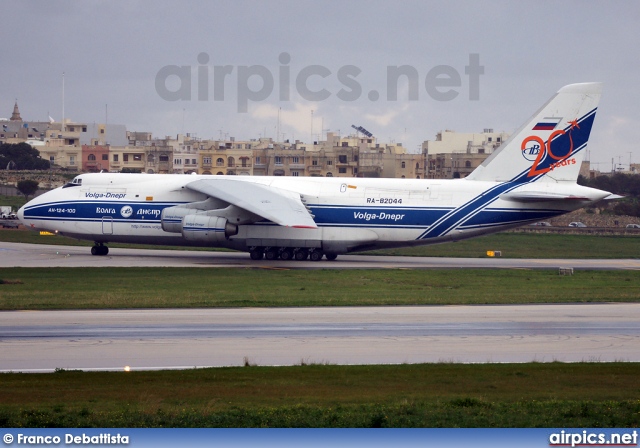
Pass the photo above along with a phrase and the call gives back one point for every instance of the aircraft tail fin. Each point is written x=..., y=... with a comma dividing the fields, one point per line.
x=551, y=145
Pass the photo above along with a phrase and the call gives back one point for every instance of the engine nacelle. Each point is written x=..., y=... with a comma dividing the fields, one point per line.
x=171, y=218
x=207, y=229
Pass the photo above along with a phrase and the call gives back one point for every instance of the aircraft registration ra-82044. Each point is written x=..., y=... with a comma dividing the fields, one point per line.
x=530, y=177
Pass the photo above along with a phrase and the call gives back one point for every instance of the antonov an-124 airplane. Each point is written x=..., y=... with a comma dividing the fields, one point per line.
x=530, y=177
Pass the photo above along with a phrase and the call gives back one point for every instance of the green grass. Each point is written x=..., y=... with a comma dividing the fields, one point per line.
x=530, y=245
x=94, y=288
x=426, y=395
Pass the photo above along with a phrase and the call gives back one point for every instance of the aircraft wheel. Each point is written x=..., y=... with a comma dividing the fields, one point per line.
x=271, y=254
x=286, y=254
x=331, y=257
x=316, y=255
x=256, y=254
x=302, y=254
x=99, y=250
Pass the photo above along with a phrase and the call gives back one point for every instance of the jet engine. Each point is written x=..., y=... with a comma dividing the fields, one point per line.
x=171, y=218
x=207, y=229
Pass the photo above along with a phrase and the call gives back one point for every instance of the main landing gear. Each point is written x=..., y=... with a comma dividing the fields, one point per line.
x=290, y=253
x=99, y=249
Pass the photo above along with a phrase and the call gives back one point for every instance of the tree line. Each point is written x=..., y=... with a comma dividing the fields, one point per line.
x=21, y=156
x=627, y=185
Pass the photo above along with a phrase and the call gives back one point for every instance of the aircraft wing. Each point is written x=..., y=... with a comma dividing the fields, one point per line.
x=281, y=206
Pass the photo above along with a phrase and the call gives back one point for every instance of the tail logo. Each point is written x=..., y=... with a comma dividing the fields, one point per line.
x=537, y=152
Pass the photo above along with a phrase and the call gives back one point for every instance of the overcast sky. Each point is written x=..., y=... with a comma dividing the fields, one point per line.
x=114, y=54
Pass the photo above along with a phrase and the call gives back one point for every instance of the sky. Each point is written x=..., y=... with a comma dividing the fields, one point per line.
x=298, y=69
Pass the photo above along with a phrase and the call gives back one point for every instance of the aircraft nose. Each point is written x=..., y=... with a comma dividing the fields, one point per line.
x=20, y=214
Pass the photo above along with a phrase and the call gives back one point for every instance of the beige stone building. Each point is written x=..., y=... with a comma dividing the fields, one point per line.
x=455, y=155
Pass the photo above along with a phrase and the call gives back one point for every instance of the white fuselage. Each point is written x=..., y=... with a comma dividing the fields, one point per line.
x=350, y=213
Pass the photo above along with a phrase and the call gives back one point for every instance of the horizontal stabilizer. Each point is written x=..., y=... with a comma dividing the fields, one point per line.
x=542, y=196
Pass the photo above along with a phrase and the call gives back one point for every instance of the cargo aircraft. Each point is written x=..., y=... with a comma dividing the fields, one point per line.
x=530, y=177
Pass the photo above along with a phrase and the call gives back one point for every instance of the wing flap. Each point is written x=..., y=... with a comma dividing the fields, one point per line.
x=281, y=206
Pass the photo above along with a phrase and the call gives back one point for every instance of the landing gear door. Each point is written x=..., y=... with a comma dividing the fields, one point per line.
x=107, y=225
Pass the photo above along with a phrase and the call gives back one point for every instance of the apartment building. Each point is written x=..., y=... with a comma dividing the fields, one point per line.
x=455, y=155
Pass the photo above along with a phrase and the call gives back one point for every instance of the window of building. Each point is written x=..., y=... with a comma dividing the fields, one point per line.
x=105, y=156
x=72, y=160
x=137, y=157
x=125, y=157
x=115, y=157
x=342, y=170
x=258, y=160
x=329, y=174
x=278, y=160
x=314, y=162
x=342, y=158
x=163, y=158
x=206, y=160
x=91, y=157
x=498, y=139
x=219, y=161
x=102, y=131
x=177, y=161
x=296, y=160
x=329, y=162
x=345, y=144
x=467, y=164
x=84, y=129
x=72, y=129
x=490, y=139
x=404, y=165
x=295, y=173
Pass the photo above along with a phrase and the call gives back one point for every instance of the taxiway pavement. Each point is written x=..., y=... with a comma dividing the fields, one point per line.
x=38, y=255
x=169, y=339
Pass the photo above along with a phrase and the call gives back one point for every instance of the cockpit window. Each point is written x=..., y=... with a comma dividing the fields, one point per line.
x=77, y=181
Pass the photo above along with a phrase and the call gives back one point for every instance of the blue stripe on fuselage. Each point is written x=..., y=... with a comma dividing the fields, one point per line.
x=97, y=210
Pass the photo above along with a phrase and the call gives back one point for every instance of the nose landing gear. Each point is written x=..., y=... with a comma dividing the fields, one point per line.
x=99, y=249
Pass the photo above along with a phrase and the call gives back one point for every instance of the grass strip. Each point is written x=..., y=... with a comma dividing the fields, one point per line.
x=422, y=395
x=104, y=288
